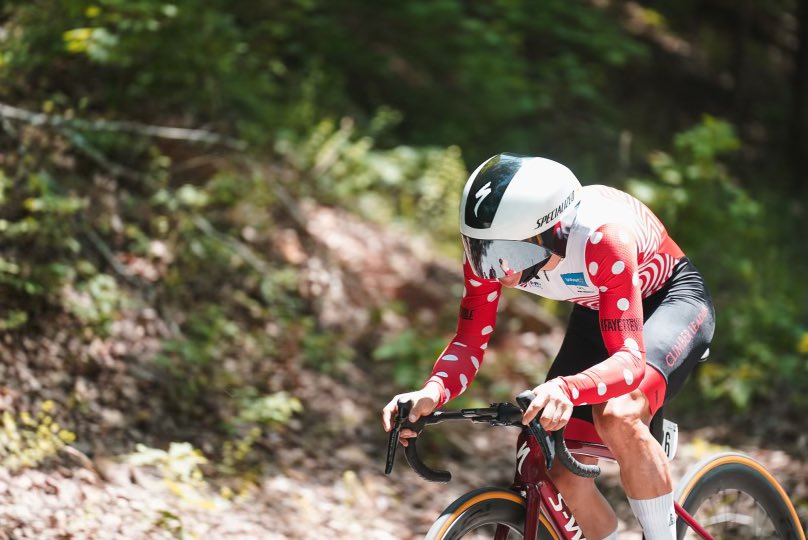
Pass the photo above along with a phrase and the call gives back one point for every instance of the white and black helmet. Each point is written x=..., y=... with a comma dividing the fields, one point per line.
x=508, y=212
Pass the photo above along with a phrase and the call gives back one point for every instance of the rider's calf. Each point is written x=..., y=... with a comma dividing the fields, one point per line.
x=593, y=513
x=622, y=423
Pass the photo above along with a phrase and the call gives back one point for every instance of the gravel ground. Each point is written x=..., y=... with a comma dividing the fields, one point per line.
x=115, y=500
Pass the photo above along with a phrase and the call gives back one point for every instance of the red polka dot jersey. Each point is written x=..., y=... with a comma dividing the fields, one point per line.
x=618, y=252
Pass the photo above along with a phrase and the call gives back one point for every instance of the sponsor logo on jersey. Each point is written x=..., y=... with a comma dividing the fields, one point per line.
x=556, y=211
x=621, y=325
x=574, y=279
x=534, y=283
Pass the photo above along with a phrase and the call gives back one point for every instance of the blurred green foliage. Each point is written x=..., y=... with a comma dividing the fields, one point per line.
x=275, y=408
x=28, y=440
x=412, y=354
x=504, y=69
x=340, y=166
x=180, y=463
x=733, y=237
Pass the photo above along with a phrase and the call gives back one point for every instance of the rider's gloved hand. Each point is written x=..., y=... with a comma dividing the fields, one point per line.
x=556, y=405
x=424, y=401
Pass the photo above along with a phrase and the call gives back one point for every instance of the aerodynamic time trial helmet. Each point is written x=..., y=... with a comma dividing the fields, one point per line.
x=509, y=209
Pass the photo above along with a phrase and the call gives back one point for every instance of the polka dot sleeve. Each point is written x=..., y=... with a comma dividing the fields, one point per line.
x=611, y=261
x=458, y=363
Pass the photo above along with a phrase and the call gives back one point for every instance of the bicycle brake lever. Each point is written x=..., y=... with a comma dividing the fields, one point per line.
x=404, y=408
x=542, y=437
x=411, y=451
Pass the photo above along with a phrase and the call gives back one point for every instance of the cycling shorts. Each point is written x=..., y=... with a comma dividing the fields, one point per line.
x=678, y=325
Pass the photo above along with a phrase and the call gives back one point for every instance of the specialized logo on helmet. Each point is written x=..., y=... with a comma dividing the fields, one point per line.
x=484, y=192
x=549, y=218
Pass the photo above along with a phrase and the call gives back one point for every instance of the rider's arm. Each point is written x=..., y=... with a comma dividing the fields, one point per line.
x=611, y=260
x=458, y=363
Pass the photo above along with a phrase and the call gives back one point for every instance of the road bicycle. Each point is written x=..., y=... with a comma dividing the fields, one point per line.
x=726, y=496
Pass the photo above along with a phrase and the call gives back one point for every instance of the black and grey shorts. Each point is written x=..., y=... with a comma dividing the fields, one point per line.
x=678, y=325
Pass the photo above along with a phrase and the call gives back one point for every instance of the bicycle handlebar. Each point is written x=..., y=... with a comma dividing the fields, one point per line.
x=499, y=414
x=560, y=444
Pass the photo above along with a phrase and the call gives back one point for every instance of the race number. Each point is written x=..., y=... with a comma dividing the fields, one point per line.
x=670, y=437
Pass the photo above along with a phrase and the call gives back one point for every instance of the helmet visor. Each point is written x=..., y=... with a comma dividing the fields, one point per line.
x=493, y=259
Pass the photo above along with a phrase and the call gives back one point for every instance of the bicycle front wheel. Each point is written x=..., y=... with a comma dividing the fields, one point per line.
x=734, y=497
x=486, y=513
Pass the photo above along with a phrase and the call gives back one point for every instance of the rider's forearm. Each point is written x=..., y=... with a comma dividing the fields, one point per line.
x=457, y=365
x=455, y=368
x=617, y=375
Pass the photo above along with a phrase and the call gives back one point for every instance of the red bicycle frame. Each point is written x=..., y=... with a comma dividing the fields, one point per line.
x=546, y=503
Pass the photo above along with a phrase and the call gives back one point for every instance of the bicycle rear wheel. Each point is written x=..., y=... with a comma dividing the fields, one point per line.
x=734, y=497
x=479, y=513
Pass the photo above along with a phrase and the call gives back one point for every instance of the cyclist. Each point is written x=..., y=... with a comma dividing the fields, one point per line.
x=642, y=319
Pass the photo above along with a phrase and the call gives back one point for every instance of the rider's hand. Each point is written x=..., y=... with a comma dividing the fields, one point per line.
x=424, y=402
x=556, y=404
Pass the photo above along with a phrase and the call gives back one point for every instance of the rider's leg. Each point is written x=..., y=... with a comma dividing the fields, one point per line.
x=582, y=348
x=622, y=423
x=593, y=514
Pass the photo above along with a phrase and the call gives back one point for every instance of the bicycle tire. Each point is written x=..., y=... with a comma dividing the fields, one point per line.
x=484, y=507
x=737, y=473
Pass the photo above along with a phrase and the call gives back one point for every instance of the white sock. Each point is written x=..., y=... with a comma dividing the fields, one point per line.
x=657, y=517
x=612, y=536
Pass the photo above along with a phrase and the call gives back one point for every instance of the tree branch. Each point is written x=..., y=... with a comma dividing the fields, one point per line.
x=160, y=132
x=233, y=244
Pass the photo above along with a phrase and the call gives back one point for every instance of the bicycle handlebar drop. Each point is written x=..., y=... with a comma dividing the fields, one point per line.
x=499, y=414
x=411, y=450
x=559, y=443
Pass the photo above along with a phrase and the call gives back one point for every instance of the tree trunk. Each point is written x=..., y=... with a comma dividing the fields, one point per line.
x=738, y=62
x=799, y=87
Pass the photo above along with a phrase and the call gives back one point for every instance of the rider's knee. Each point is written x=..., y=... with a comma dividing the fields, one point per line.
x=623, y=419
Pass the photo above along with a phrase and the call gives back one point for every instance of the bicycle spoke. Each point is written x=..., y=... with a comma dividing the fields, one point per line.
x=735, y=518
x=488, y=532
x=734, y=515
